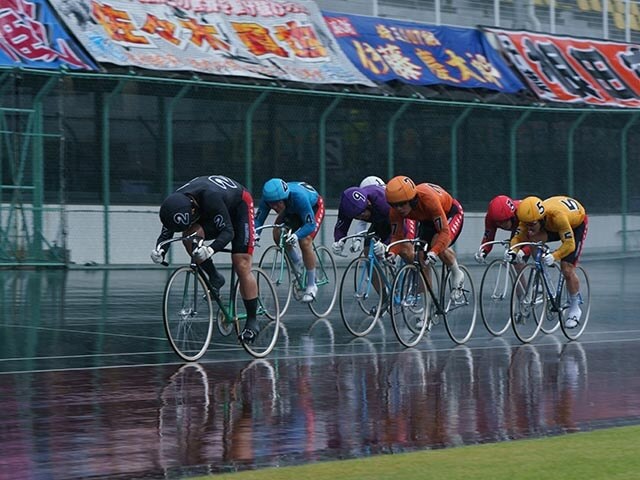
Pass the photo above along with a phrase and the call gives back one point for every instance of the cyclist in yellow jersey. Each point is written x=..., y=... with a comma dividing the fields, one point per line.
x=563, y=219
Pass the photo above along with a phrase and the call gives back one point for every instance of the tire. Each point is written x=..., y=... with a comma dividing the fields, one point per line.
x=327, y=282
x=585, y=294
x=495, y=296
x=361, y=289
x=410, y=305
x=188, y=313
x=528, y=304
x=268, y=315
x=461, y=308
x=276, y=265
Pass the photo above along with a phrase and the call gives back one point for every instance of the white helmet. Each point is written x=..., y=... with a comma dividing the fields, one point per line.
x=371, y=180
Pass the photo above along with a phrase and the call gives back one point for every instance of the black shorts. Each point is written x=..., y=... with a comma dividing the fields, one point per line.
x=244, y=232
x=579, y=234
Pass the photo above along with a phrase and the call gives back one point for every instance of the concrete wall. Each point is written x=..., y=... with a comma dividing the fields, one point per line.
x=133, y=232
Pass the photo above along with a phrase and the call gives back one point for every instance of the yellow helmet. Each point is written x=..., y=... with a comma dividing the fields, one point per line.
x=400, y=189
x=530, y=210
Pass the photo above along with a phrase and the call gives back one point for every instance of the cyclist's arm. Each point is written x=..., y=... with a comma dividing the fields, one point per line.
x=165, y=234
x=341, y=229
x=261, y=214
x=488, y=236
x=305, y=211
x=519, y=236
x=222, y=221
x=442, y=229
x=567, y=238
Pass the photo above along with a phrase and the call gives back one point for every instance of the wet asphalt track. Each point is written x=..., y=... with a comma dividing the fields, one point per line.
x=89, y=387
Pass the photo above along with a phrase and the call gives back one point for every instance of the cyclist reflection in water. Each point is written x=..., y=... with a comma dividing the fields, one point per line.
x=555, y=219
x=220, y=209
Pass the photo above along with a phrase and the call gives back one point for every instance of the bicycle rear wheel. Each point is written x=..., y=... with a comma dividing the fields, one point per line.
x=528, y=304
x=410, y=305
x=361, y=292
x=495, y=296
x=188, y=313
x=585, y=306
x=327, y=282
x=460, y=308
x=267, y=315
x=275, y=264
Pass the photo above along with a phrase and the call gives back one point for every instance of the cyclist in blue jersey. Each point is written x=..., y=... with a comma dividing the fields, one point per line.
x=301, y=208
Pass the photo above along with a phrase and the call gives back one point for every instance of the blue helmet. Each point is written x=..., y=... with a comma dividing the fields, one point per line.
x=275, y=190
x=353, y=202
x=176, y=212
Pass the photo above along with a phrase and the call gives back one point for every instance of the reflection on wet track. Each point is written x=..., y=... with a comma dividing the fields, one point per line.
x=90, y=388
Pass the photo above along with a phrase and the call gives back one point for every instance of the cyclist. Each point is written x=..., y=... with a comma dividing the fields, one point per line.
x=501, y=214
x=356, y=244
x=440, y=218
x=369, y=206
x=220, y=209
x=301, y=208
x=563, y=219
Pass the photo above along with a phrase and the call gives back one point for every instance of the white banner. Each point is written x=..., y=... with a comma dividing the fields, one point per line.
x=285, y=40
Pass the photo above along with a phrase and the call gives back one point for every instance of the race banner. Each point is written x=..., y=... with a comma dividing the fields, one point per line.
x=266, y=39
x=30, y=36
x=420, y=54
x=574, y=70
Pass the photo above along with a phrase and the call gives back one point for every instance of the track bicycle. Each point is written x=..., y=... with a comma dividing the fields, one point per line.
x=190, y=303
x=365, y=288
x=540, y=301
x=288, y=282
x=420, y=300
x=495, y=292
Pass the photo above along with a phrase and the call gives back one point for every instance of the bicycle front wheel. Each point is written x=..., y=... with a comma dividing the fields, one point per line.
x=495, y=296
x=275, y=264
x=188, y=313
x=410, y=305
x=528, y=304
x=585, y=306
x=327, y=282
x=460, y=308
x=361, y=292
x=267, y=315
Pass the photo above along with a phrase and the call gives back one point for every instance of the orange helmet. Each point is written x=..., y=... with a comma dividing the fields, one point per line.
x=530, y=210
x=400, y=189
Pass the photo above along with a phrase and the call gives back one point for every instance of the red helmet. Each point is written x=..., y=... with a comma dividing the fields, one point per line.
x=501, y=209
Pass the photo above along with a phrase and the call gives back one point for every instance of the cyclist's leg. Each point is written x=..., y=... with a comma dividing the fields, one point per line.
x=568, y=267
x=216, y=279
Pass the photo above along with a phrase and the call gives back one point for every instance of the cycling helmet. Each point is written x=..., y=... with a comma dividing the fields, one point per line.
x=371, y=180
x=400, y=189
x=501, y=209
x=176, y=212
x=275, y=190
x=353, y=202
x=530, y=210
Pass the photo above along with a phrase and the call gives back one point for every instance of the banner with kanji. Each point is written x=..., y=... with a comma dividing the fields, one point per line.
x=574, y=70
x=266, y=39
x=31, y=36
x=421, y=54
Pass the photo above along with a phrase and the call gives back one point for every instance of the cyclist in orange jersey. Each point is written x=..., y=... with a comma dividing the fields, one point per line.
x=440, y=218
x=563, y=219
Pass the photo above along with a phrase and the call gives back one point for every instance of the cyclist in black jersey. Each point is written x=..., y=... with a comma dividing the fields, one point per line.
x=219, y=209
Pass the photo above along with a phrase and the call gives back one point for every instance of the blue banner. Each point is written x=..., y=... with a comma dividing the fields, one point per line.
x=420, y=54
x=31, y=36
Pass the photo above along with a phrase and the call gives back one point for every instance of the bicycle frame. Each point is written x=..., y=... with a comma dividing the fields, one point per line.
x=555, y=297
x=374, y=261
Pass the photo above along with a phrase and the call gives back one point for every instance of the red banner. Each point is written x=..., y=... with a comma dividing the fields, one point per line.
x=574, y=70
